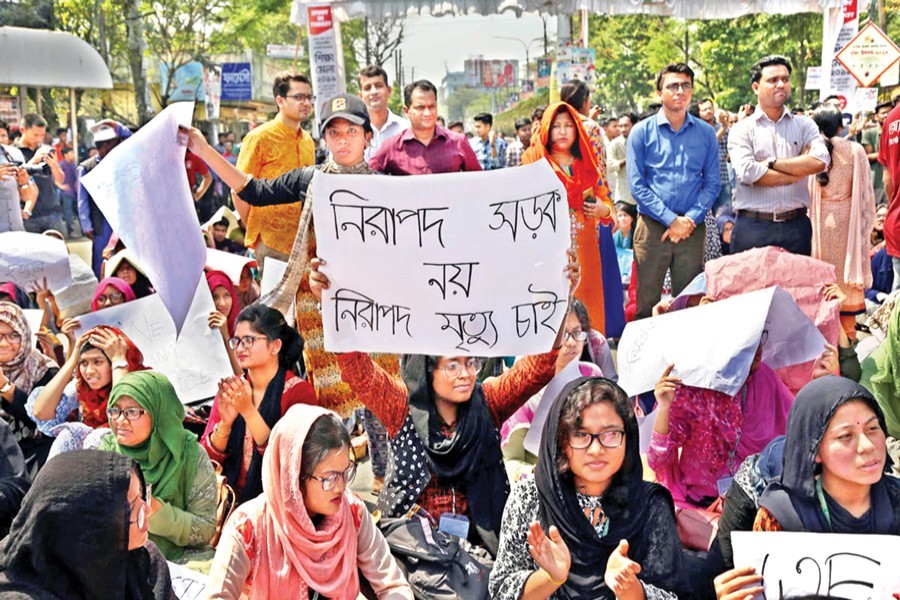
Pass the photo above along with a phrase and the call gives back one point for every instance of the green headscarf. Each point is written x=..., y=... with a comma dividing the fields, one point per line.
x=881, y=374
x=169, y=456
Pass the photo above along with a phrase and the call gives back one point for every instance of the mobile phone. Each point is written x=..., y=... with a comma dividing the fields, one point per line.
x=588, y=197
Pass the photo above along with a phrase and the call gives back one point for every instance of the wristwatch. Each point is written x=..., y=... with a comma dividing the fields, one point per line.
x=772, y=163
x=6, y=387
x=119, y=364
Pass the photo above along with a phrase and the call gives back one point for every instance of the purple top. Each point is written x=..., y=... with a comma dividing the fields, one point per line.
x=403, y=154
x=70, y=181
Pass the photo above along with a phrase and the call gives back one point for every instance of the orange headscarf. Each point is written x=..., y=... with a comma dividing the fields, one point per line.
x=585, y=174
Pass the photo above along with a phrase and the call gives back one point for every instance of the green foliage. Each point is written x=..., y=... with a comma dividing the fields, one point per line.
x=467, y=101
x=506, y=121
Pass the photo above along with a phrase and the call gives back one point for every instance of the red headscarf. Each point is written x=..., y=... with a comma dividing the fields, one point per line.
x=116, y=283
x=219, y=278
x=93, y=402
x=585, y=174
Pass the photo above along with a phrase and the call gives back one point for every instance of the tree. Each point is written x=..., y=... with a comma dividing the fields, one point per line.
x=383, y=37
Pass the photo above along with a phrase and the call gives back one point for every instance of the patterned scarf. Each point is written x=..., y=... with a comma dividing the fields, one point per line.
x=28, y=365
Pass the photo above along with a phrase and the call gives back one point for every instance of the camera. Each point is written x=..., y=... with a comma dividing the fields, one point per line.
x=41, y=169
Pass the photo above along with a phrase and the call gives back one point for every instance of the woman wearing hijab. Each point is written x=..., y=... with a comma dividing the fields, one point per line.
x=14, y=480
x=100, y=358
x=111, y=292
x=82, y=535
x=834, y=473
x=247, y=408
x=225, y=316
x=587, y=526
x=147, y=425
x=307, y=535
x=123, y=266
x=725, y=225
x=444, y=426
x=22, y=369
x=564, y=143
x=10, y=292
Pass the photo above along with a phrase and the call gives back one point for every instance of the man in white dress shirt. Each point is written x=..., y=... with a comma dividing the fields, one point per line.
x=375, y=92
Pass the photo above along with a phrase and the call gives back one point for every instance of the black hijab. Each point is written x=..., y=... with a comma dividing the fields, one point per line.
x=471, y=460
x=628, y=504
x=70, y=539
x=270, y=411
x=14, y=482
x=792, y=499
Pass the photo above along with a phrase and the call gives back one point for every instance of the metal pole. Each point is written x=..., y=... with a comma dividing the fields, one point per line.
x=584, y=27
x=39, y=100
x=73, y=118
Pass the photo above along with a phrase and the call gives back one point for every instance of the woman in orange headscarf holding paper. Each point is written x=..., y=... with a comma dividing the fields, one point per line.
x=565, y=145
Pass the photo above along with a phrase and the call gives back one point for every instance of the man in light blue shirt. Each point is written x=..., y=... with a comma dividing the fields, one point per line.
x=673, y=171
x=489, y=147
x=375, y=92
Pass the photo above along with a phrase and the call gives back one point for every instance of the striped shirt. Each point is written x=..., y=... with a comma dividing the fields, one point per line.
x=756, y=140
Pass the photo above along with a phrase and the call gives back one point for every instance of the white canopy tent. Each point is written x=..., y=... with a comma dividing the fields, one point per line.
x=53, y=59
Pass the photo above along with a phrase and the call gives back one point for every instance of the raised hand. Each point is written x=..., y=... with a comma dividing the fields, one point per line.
x=732, y=584
x=218, y=321
x=666, y=387
x=318, y=281
x=549, y=551
x=112, y=344
x=621, y=574
x=573, y=270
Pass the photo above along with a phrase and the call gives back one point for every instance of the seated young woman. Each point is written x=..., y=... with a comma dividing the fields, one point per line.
x=82, y=535
x=147, y=417
x=519, y=461
x=224, y=317
x=111, y=291
x=123, y=266
x=443, y=426
x=587, y=525
x=79, y=391
x=22, y=368
x=247, y=408
x=835, y=476
x=306, y=535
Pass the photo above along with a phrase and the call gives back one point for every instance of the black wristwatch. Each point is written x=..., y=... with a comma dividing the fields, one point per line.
x=772, y=163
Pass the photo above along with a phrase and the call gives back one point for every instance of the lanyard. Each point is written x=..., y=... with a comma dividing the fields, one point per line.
x=823, y=504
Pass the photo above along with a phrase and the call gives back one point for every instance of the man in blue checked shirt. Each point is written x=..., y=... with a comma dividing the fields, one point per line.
x=673, y=170
x=489, y=147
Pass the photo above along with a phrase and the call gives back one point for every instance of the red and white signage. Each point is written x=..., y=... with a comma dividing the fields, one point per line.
x=327, y=79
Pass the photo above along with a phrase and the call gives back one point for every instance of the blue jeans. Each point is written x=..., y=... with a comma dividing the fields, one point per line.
x=794, y=235
x=69, y=214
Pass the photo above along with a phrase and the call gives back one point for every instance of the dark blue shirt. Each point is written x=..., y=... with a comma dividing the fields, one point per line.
x=673, y=173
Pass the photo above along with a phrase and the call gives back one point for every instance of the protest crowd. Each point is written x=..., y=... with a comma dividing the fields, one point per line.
x=727, y=359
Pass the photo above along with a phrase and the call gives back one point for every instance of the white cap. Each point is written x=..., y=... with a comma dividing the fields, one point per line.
x=102, y=132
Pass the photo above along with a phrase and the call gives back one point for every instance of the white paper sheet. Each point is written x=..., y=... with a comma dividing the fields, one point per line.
x=855, y=567
x=33, y=316
x=570, y=373
x=228, y=263
x=452, y=264
x=142, y=189
x=194, y=361
x=75, y=299
x=233, y=219
x=272, y=274
x=27, y=258
x=187, y=584
x=712, y=346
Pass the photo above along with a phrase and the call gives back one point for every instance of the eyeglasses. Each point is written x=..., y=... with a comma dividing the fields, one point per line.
x=329, y=481
x=301, y=97
x=132, y=413
x=582, y=440
x=12, y=338
x=111, y=298
x=685, y=85
x=245, y=342
x=455, y=369
x=578, y=335
x=142, y=508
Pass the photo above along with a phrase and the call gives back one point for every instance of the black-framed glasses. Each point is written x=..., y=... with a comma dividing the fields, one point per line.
x=132, y=413
x=302, y=97
x=329, y=481
x=578, y=335
x=682, y=85
x=245, y=342
x=582, y=440
x=111, y=298
x=456, y=369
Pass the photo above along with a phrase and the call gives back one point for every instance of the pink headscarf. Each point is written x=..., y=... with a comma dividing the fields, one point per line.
x=291, y=554
x=218, y=278
x=114, y=282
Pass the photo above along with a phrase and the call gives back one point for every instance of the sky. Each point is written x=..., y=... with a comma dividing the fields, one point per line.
x=432, y=42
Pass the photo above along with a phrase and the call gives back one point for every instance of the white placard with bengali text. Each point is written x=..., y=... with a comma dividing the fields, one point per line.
x=28, y=258
x=187, y=584
x=451, y=264
x=855, y=567
x=194, y=361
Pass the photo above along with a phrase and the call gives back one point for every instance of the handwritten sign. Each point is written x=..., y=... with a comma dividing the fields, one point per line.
x=27, y=258
x=75, y=299
x=228, y=263
x=452, y=264
x=194, y=361
x=855, y=567
x=693, y=340
x=142, y=189
x=187, y=584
